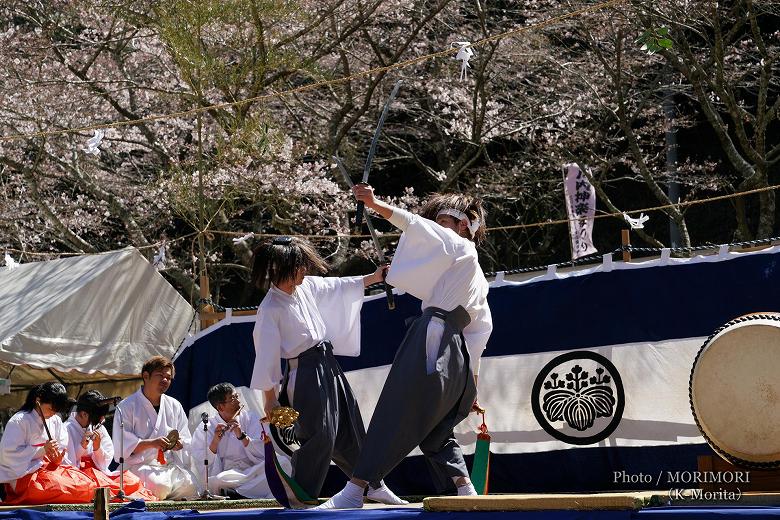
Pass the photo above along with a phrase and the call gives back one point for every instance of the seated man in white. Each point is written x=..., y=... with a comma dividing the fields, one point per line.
x=233, y=446
x=149, y=418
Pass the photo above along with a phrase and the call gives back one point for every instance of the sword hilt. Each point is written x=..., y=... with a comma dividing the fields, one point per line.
x=390, y=297
x=359, y=215
x=361, y=207
x=388, y=291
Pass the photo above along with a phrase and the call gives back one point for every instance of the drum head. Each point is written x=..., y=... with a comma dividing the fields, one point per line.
x=735, y=391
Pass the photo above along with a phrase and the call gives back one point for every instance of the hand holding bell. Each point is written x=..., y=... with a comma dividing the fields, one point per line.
x=283, y=416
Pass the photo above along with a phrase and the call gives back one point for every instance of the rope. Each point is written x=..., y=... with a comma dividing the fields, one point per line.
x=515, y=226
x=189, y=327
x=487, y=230
x=589, y=259
x=316, y=85
x=219, y=308
x=140, y=248
x=595, y=257
x=632, y=249
x=654, y=208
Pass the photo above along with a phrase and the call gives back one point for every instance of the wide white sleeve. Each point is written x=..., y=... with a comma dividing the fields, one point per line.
x=176, y=419
x=476, y=335
x=75, y=451
x=267, y=372
x=17, y=456
x=255, y=449
x=182, y=424
x=401, y=218
x=130, y=439
x=60, y=433
x=103, y=455
x=425, y=251
x=339, y=301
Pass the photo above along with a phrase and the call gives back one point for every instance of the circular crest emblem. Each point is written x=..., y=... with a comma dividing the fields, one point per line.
x=578, y=397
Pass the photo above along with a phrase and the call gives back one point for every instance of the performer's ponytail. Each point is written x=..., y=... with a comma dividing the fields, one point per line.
x=282, y=258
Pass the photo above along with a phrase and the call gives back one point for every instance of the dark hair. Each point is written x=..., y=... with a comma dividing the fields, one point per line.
x=52, y=393
x=90, y=402
x=281, y=258
x=156, y=363
x=219, y=393
x=471, y=206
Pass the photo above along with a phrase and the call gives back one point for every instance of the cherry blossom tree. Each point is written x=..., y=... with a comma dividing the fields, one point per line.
x=266, y=92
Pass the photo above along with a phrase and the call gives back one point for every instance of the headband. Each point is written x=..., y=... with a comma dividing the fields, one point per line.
x=459, y=215
x=282, y=241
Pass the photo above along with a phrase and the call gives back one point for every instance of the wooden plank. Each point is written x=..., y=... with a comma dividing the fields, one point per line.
x=537, y=502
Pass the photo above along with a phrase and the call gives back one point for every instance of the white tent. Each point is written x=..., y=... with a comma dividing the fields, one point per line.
x=88, y=321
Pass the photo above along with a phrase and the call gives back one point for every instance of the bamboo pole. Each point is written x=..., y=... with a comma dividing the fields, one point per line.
x=206, y=311
x=625, y=240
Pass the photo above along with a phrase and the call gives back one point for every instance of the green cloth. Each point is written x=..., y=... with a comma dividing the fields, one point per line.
x=480, y=470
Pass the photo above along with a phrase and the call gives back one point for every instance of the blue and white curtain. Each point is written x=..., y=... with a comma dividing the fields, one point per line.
x=585, y=377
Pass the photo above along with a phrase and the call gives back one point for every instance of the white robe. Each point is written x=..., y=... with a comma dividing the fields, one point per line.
x=441, y=268
x=101, y=457
x=21, y=448
x=141, y=422
x=234, y=466
x=288, y=324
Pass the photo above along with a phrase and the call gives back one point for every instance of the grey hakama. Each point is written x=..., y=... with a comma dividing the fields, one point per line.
x=330, y=426
x=318, y=312
x=431, y=386
x=420, y=409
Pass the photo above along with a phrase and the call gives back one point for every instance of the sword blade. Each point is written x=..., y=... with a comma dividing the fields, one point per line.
x=372, y=149
x=378, y=131
x=369, y=223
x=372, y=231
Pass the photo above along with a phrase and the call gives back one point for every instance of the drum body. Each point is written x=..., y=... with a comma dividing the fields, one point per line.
x=734, y=391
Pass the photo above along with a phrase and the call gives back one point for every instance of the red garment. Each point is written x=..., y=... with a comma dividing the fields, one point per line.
x=133, y=486
x=59, y=485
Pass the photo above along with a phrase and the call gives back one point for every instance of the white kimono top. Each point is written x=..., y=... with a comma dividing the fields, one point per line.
x=101, y=457
x=142, y=422
x=441, y=268
x=288, y=324
x=21, y=448
x=231, y=452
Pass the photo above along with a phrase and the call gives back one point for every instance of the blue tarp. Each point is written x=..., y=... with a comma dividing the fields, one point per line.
x=666, y=513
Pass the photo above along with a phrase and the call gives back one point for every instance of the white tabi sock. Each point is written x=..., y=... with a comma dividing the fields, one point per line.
x=384, y=495
x=467, y=490
x=351, y=497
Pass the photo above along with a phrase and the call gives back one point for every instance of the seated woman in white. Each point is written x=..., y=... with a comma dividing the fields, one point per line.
x=33, y=466
x=91, y=450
